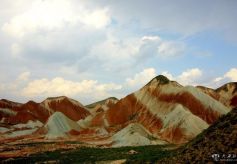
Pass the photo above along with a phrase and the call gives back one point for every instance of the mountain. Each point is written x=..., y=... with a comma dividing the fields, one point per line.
x=29, y=118
x=161, y=112
x=169, y=111
x=216, y=143
x=69, y=107
x=58, y=125
x=14, y=113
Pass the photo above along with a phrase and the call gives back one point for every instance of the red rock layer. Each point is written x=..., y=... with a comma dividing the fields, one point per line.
x=190, y=102
x=128, y=110
x=98, y=120
x=8, y=104
x=37, y=111
x=82, y=132
x=122, y=111
x=234, y=101
x=20, y=117
x=174, y=135
x=72, y=111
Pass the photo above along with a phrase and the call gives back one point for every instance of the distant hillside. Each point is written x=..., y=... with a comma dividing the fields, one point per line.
x=100, y=102
x=226, y=94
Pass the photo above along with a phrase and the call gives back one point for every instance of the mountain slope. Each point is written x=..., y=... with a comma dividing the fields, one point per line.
x=59, y=125
x=69, y=107
x=155, y=106
x=134, y=135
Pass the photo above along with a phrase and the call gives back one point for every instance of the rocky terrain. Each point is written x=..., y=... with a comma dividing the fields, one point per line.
x=217, y=143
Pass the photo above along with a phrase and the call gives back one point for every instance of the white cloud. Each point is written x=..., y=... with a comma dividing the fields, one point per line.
x=133, y=50
x=218, y=79
x=98, y=18
x=168, y=75
x=229, y=76
x=141, y=78
x=51, y=14
x=60, y=86
x=151, y=38
x=188, y=77
x=171, y=49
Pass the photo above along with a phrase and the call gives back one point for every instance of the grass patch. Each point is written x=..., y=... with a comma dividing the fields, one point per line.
x=90, y=155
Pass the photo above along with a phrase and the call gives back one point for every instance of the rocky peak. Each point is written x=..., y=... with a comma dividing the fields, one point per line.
x=160, y=79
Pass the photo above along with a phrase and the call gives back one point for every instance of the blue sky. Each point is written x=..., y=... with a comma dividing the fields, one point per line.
x=90, y=50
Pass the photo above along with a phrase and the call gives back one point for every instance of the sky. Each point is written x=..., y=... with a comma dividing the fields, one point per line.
x=93, y=49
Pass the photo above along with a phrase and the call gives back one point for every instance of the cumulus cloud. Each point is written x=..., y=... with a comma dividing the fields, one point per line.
x=151, y=38
x=51, y=14
x=134, y=50
x=188, y=77
x=59, y=86
x=229, y=76
x=116, y=52
x=141, y=78
x=168, y=75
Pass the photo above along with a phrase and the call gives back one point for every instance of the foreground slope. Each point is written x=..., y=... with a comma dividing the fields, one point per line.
x=220, y=138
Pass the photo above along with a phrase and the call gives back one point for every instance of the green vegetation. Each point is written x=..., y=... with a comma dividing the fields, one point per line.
x=91, y=155
x=162, y=79
x=220, y=123
x=133, y=116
